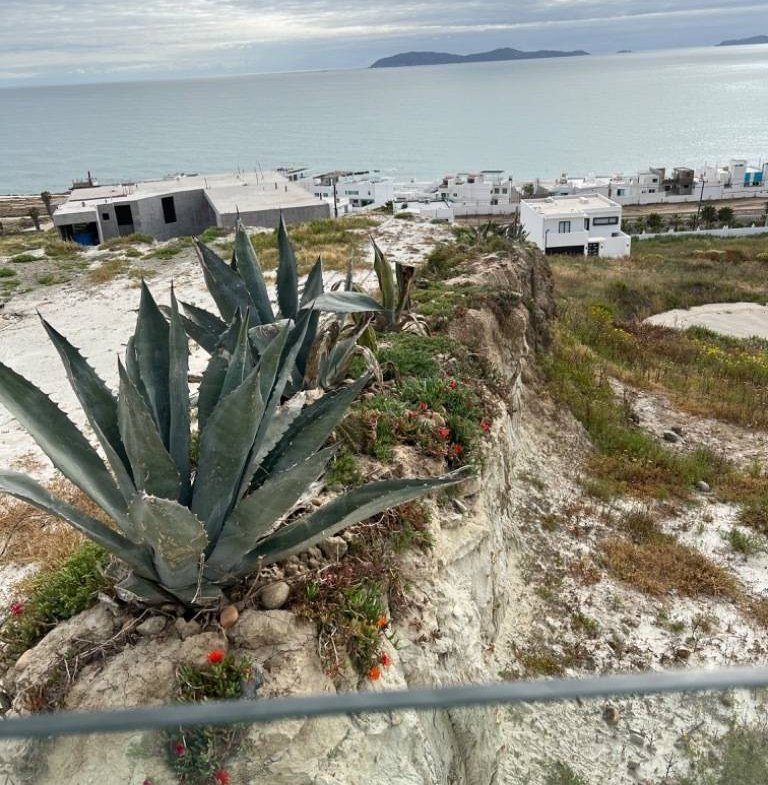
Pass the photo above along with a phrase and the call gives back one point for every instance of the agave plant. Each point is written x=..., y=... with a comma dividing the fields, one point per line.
x=241, y=286
x=189, y=527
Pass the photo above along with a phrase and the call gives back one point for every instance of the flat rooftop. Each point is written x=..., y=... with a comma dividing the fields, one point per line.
x=560, y=205
x=246, y=191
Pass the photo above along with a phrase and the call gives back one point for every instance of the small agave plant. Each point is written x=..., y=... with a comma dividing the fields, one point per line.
x=187, y=526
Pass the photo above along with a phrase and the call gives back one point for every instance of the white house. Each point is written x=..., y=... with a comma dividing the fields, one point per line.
x=359, y=189
x=575, y=225
x=489, y=192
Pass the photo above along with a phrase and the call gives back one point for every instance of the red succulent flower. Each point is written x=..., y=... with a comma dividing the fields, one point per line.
x=443, y=432
x=382, y=621
x=457, y=449
x=485, y=425
x=422, y=406
x=374, y=673
x=180, y=749
x=221, y=777
x=453, y=384
x=147, y=781
x=215, y=656
x=17, y=608
x=385, y=659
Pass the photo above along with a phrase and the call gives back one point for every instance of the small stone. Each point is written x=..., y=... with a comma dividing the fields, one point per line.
x=313, y=553
x=186, y=629
x=611, y=715
x=334, y=548
x=292, y=569
x=637, y=738
x=229, y=616
x=317, y=502
x=459, y=506
x=153, y=626
x=313, y=563
x=275, y=595
x=678, y=430
x=726, y=698
x=683, y=653
x=671, y=437
x=23, y=661
x=703, y=487
x=633, y=765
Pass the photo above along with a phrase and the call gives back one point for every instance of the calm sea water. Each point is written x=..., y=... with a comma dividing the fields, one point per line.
x=598, y=114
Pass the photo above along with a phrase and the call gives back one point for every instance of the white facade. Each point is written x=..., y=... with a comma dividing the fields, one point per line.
x=489, y=192
x=360, y=189
x=576, y=225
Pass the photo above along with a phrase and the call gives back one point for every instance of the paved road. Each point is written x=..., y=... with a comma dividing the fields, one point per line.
x=741, y=320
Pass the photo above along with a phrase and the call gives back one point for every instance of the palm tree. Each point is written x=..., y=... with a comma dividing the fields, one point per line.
x=654, y=222
x=708, y=215
x=34, y=214
x=45, y=196
x=675, y=222
x=725, y=216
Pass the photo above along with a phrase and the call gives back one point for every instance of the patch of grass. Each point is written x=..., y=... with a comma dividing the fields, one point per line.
x=171, y=249
x=6, y=272
x=560, y=773
x=213, y=233
x=745, y=544
x=54, y=596
x=114, y=268
x=47, y=280
x=343, y=471
x=23, y=258
x=57, y=249
x=414, y=355
x=127, y=241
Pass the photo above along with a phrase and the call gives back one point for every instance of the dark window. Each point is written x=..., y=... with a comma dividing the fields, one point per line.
x=586, y=224
x=564, y=227
x=124, y=215
x=169, y=210
x=606, y=220
x=105, y=216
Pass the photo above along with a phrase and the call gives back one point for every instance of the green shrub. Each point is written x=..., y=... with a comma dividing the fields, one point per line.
x=55, y=596
x=562, y=774
x=126, y=241
x=6, y=272
x=23, y=258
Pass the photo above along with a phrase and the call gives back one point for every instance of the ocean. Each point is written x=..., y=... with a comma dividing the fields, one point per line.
x=537, y=118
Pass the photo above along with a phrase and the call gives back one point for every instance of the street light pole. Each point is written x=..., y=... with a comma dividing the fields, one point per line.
x=701, y=199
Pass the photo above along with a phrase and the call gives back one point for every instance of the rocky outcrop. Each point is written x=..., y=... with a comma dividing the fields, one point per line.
x=461, y=592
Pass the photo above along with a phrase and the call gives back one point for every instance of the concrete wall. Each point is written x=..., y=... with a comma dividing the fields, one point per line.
x=270, y=218
x=740, y=231
x=193, y=215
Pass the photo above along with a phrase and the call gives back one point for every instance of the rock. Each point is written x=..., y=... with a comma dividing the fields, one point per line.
x=152, y=627
x=186, y=629
x=229, y=616
x=638, y=739
x=683, y=653
x=459, y=506
x=611, y=715
x=313, y=564
x=334, y=548
x=703, y=487
x=195, y=649
x=312, y=553
x=671, y=437
x=275, y=595
x=678, y=430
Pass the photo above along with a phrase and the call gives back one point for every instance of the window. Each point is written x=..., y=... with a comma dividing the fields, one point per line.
x=619, y=192
x=586, y=224
x=606, y=220
x=651, y=190
x=105, y=216
x=169, y=209
x=504, y=190
x=564, y=227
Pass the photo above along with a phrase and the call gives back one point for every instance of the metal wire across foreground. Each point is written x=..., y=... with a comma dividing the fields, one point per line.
x=270, y=710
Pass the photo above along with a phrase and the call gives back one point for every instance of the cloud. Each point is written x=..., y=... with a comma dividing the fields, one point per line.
x=50, y=39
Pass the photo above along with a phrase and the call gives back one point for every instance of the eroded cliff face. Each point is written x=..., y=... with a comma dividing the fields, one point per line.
x=460, y=594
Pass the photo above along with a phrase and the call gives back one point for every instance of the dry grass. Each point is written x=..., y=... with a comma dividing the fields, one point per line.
x=114, y=268
x=30, y=536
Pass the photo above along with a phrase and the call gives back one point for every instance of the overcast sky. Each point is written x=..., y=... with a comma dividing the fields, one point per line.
x=61, y=41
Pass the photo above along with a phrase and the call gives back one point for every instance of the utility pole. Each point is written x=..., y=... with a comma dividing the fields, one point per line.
x=701, y=199
x=335, y=201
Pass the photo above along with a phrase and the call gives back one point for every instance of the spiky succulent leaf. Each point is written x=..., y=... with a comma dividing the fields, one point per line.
x=345, y=510
x=287, y=274
x=333, y=367
x=154, y=471
x=345, y=302
x=224, y=284
x=60, y=440
x=250, y=271
x=26, y=489
x=225, y=444
x=139, y=590
x=205, y=319
x=178, y=399
x=99, y=405
x=209, y=391
x=240, y=362
x=387, y=284
x=264, y=334
x=405, y=275
x=256, y=514
x=313, y=288
x=177, y=538
x=151, y=347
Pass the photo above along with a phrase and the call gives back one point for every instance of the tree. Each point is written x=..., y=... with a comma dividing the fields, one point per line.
x=708, y=215
x=675, y=222
x=725, y=216
x=654, y=222
x=45, y=196
x=528, y=190
x=34, y=214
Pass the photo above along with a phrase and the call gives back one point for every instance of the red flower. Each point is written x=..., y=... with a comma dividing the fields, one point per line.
x=457, y=449
x=453, y=384
x=215, y=656
x=17, y=608
x=374, y=673
x=382, y=621
x=485, y=425
x=221, y=777
x=180, y=749
x=443, y=432
x=385, y=659
x=147, y=781
x=422, y=406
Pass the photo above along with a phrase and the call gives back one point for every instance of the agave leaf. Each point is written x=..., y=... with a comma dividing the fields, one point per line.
x=176, y=536
x=312, y=288
x=204, y=319
x=256, y=514
x=405, y=274
x=225, y=444
x=136, y=589
x=386, y=281
x=132, y=369
x=310, y=429
x=99, y=405
x=178, y=398
x=264, y=334
x=60, y=440
x=209, y=391
x=153, y=469
x=224, y=284
x=151, y=347
x=200, y=335
x=26, y=489
x=247, y=264
x=241, y=361
x=349, y=508
x=287, y=274
x=344, y=302
x=335, y=364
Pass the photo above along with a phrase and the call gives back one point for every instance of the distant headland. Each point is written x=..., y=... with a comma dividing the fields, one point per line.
x=755, y=39
x=444, y=58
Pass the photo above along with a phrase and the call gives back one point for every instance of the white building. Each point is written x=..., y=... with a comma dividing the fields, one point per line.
x=489, y=192
x=575, y=225
x=360, y=189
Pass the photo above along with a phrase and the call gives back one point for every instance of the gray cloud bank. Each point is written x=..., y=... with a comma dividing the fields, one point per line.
x=49, y=41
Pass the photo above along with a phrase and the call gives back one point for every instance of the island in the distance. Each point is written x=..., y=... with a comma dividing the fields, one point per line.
x=755, y=39
x=444, y=58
